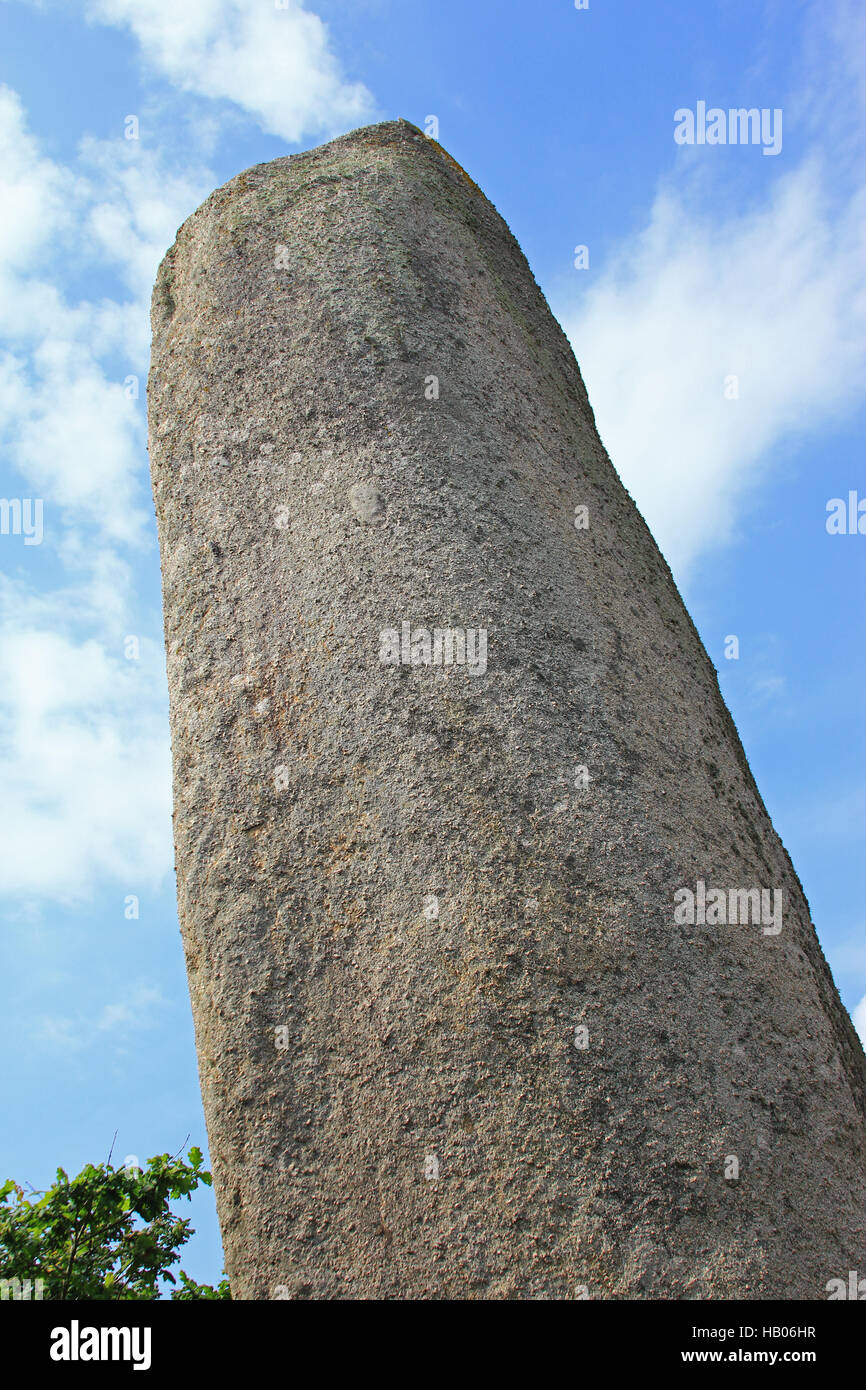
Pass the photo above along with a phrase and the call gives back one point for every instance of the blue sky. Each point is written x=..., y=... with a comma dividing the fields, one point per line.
x=705, y=263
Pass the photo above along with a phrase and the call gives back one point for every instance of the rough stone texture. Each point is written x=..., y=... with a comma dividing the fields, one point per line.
x=310, y=493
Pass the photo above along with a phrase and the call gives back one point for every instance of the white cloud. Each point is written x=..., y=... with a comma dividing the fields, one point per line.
x=83, y=739
x=137, y=200
x=78, y=441
x=35, y=191
x=274, y=63
x=859, y=1020
x=84, y=749
x=85, y=757
x=66, y=421
x=774, y=297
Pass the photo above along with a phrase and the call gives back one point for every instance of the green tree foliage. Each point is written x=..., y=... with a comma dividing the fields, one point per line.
x=107, y=1233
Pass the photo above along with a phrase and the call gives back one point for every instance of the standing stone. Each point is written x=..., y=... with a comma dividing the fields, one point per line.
x=456, y=1035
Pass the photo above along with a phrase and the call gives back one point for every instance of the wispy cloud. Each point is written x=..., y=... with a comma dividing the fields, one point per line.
x=68, y=423
x=84, y=753
x=85, y=763
x=275, y=62
x=711, y=338
x=713, y=334
x=139, y=1009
